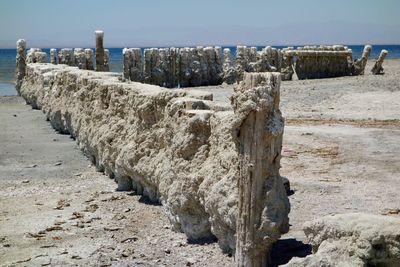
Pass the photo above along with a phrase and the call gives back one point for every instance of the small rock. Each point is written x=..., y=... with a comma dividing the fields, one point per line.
x=48, y=246
x=76, y=257
x=190, y=261
x=58, y=164
x=127, y=252
x=61, y=204
x=127, y=210
x=63, y=252
x=91, y=208
x=54, y=228
x=129, y=239
x=112, y=229
x=32, y=166
x=25, y=181
x=168, y=251
x=76, y=215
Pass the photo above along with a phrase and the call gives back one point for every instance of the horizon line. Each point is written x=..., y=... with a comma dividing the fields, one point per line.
x=204, y=45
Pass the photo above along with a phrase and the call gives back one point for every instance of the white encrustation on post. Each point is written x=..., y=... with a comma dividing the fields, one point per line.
x=66, y=56
x=53, y=56
x=359, y=64
x=100, y=52
x=80, y=58
x=262, y=205
x=377, y=68
x=89, y=59
x=20, y=63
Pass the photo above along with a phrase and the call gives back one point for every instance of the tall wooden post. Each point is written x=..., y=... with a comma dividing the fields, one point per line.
x=20, y=64
x=263, y=205
x=101, y=64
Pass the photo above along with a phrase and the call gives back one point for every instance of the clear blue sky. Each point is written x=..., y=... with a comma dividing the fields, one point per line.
x=71, y=23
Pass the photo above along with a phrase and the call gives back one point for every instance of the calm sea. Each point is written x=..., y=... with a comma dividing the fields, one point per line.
x=7, y=62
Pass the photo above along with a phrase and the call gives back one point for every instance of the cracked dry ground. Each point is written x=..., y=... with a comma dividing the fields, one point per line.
x=341, y=153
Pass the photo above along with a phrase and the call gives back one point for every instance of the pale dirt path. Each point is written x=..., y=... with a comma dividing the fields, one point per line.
x=55, y=209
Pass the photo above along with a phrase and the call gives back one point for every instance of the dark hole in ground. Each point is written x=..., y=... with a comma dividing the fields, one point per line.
x=284, y=250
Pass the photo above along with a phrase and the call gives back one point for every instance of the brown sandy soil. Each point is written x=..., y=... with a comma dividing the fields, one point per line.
x=341, y=154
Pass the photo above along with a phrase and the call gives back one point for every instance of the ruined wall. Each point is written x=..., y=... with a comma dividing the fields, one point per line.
x=174, y=67
x=176, y=147
x=321, y=62
x=197, y=66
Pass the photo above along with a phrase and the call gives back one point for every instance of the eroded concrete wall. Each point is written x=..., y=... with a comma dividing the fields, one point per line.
x=176, y=147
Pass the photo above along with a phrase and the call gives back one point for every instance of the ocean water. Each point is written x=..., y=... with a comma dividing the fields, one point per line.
x=7, y=61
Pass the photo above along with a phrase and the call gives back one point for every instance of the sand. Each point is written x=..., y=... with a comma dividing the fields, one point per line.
x=341, y=154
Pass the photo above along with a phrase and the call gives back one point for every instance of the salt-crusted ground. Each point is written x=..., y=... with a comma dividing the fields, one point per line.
x=341, y=153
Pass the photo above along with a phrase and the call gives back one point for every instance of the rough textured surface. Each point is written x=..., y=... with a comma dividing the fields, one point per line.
x=256, y=105
x=165, y=144
x=133, y=67
x=89, y=58
x=66, y=56
x=377, y=68
x=36, y=55
x=228, y=67
x=321, y=62
x=80, y=58
x=47, y=185
x=20, y=63
x=353, y=239
x=53, y=56
x=287, y=70
x=101, y=57
x=358, y=66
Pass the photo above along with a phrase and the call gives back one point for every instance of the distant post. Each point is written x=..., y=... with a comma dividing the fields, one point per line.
x=359, y=64
x=377, y=68
x=100, y=53
x=20, y=63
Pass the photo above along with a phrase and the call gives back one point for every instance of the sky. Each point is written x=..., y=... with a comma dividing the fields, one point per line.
x=133, y=23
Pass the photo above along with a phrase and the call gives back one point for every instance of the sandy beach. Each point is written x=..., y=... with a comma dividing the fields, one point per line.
x=341, y=153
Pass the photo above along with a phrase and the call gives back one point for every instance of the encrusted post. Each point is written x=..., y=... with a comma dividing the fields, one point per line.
x=229, y=76
x=377, y=68
x=89, y=59
x=20, y=63
x=287, y=64
x=80, y=58
x=262, y=205
x=359, y=64
x=100, y=53
x=66, y=56
x=53, y=56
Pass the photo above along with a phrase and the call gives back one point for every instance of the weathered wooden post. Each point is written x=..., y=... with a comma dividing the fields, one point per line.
x=377, y=68
x=53, y=56
x=359, y=64
x=263, y=206
x=20, y=64
x=100, y=53
x=89, y=58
